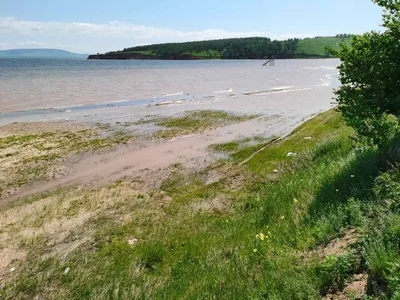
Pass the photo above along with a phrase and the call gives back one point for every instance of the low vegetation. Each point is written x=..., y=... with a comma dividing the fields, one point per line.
x=315, y=215
x=245, y=230
x=25, y=158
x=193, y=122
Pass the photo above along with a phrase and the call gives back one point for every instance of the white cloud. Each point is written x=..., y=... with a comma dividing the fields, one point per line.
x=30, y=44
x=89, y=37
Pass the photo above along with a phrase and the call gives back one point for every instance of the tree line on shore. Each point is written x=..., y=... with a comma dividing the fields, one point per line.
x=237, y=48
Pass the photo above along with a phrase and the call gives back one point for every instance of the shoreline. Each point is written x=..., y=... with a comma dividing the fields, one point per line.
x=181, y=206
x=98, y=168
x=157, y=105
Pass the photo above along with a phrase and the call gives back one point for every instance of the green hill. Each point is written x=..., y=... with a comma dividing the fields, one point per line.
x=316, y=46
x=237, y=48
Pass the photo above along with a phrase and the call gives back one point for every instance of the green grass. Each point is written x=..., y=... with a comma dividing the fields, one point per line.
x=197, y=121
x=206, y=54
x=236, y=145
x=148, y=52
x=35, y=154
x=204, y=242
x=316, y=46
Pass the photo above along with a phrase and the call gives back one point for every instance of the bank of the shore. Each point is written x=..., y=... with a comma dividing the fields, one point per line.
x=307, y=217
x=137, y=139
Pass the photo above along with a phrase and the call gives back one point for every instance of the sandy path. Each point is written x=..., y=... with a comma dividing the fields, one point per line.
x=192, y=151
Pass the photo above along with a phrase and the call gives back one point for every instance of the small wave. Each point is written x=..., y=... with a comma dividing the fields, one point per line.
x=227, y=91
x=62, y=107
x=270, y=91
x=320, y=68
x=174, y=94
x=121, y=101
x=169, y=103
x=326, y=81
x=276, y=91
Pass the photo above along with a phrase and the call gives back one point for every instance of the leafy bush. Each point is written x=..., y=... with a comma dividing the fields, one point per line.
x=387, y=187
x=394, y=279
x=369, y=97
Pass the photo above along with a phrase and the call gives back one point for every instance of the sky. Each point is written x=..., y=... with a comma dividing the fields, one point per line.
x=106, y=25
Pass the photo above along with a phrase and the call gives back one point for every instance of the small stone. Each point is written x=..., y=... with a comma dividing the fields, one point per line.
x=291, y=154
x=132, y=241
x=66, y=271
x=352, y=176
x=12, y=269
x=308, y=138
x=276, y=171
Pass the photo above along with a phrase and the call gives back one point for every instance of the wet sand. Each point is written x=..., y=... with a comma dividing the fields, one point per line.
x=280, y=113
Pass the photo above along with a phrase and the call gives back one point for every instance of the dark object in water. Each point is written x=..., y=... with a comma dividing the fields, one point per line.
x=271, y=62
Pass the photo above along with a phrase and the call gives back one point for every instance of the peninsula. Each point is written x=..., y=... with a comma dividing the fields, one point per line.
x=236, y=48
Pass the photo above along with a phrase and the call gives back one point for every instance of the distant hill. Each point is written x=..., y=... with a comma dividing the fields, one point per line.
x=316, y=46
x=39, y=53
x=236, y=48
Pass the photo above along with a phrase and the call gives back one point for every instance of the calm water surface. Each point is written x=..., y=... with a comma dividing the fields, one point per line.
x=27, y=84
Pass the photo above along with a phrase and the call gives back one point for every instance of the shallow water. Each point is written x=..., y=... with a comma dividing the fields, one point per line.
x=31, y=84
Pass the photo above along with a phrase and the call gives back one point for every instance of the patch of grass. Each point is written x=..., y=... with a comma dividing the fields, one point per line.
x=235, y=146
x=10, y=141
x=197, y=121
x=206, y=54
x=104, y=126
x=29, y=158
x=316, y=46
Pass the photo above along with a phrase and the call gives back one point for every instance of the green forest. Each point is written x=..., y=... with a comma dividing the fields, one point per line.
x=235, y=48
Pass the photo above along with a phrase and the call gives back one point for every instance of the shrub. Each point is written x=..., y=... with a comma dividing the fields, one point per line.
x=369, y=97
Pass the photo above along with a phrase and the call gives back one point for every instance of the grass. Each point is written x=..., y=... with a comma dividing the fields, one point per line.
x=206, y=54
x=227, y=238
x=28, y=158
x=197, y=121
x=236, y=145
x=316, y=46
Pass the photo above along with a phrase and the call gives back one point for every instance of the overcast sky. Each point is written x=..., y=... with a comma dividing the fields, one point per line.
x=99, y=26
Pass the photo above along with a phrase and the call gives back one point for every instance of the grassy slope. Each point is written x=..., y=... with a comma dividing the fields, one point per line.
x=316, y=46
x=204, y=241
x=207, y=54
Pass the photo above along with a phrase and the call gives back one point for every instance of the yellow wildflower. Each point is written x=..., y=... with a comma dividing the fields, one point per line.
x=295, y=200
x=262, y=236
x=254, y=250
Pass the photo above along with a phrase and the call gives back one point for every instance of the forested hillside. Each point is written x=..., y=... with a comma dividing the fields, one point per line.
x=237, y=48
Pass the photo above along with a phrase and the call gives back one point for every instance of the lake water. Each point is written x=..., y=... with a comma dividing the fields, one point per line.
x=30, y=84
